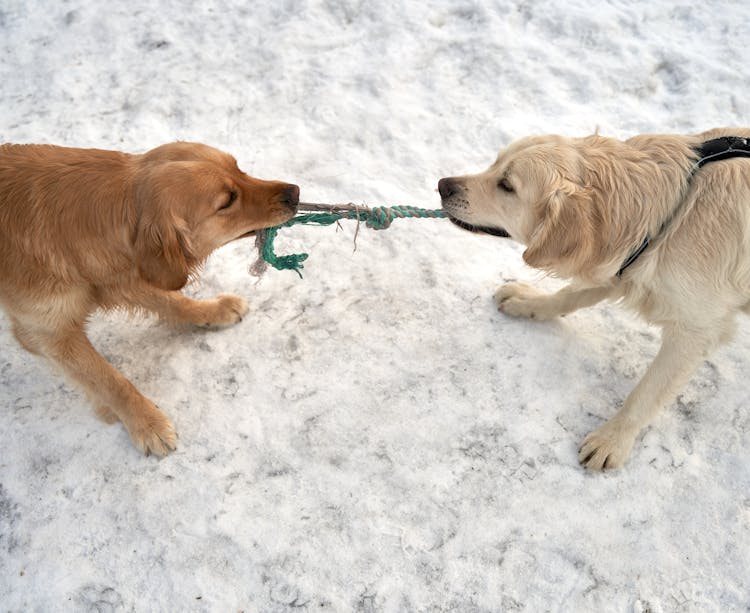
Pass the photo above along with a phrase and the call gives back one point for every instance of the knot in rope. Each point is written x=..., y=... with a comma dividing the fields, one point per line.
x=380, y=217
x=377, y=218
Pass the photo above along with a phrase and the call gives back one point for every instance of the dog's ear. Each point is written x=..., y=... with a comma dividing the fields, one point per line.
x=566, y=231
x=165, y=257
x=164, y=253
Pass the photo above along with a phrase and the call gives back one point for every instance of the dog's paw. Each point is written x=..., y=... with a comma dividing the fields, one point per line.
x=520, y=300
x=224, y=310
x=606, y=447
x=152, y=432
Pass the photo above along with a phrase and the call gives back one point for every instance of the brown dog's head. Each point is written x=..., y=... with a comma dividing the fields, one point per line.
x=537, y=192
x=191, y=199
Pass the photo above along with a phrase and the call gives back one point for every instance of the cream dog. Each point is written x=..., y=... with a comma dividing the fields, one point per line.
x=647, y=221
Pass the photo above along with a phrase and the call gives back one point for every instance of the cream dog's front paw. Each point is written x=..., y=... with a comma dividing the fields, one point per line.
x=521, y=300
x=606, y=447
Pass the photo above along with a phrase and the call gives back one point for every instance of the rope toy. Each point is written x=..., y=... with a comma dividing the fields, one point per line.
x=377, y=218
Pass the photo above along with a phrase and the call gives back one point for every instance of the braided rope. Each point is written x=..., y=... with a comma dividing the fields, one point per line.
x=377, y=218
x=380, y=217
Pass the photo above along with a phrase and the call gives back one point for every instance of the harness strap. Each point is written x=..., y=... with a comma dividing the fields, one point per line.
x=722, y=148
x=710, y=151
x=634, y=256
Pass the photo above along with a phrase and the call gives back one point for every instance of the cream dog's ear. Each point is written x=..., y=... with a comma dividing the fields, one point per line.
x=566, y=233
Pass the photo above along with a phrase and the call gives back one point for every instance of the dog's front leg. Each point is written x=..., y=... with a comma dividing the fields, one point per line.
x=224, y=310
x=681, y=352
x=522, y=300
x=149, y=428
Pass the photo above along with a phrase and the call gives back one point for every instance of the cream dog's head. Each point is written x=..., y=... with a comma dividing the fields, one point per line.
x=538, y=192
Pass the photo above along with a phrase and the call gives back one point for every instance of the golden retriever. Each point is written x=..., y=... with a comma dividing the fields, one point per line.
x=83, y=229
x=643, y=221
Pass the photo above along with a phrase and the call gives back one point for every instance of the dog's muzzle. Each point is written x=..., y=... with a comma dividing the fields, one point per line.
x=452, y=198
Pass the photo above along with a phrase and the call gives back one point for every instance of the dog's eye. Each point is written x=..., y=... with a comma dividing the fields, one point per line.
x=504, y=185
x=231, y=197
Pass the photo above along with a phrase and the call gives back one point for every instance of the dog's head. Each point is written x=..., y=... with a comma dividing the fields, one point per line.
x=191, y=199
x=537, y=192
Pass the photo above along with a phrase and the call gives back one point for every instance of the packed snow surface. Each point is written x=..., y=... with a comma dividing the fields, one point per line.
x=375, y=436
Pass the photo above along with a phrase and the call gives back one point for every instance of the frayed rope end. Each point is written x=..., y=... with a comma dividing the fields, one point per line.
x=377, y=218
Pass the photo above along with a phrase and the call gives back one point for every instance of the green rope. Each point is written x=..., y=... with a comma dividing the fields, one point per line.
x=377, y=218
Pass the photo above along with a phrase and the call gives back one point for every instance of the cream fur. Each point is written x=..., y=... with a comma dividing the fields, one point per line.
x=582, y=205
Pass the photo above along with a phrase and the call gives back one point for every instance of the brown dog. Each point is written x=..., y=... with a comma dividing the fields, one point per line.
x=82, y=229
x=654, y=222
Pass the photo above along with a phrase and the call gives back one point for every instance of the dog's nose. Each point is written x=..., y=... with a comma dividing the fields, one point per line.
x=290, y=196
x=448, y=187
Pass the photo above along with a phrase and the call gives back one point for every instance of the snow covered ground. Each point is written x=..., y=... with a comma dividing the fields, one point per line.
x=374, y=437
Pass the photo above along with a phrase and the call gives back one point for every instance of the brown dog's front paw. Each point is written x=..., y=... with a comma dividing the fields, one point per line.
x=606, y=447
x=152, y=432
x=224, y=310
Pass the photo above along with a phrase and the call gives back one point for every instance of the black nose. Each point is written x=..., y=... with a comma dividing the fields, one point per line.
x=290, y=196
x=448, y=187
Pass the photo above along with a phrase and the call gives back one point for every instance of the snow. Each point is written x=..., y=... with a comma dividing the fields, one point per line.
x=374, y=437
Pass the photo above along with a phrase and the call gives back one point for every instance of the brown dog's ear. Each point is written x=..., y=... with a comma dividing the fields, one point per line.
x=162, y=245
x=165, y=257
x=563, y=240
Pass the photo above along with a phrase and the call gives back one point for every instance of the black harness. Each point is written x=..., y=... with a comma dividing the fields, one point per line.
x=710, y=151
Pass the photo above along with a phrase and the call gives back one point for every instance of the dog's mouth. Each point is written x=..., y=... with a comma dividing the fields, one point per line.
x=287, y=215
x=479, y=229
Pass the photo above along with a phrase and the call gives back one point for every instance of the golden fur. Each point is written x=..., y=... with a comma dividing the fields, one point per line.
x=582, y=205
x=82, y=229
